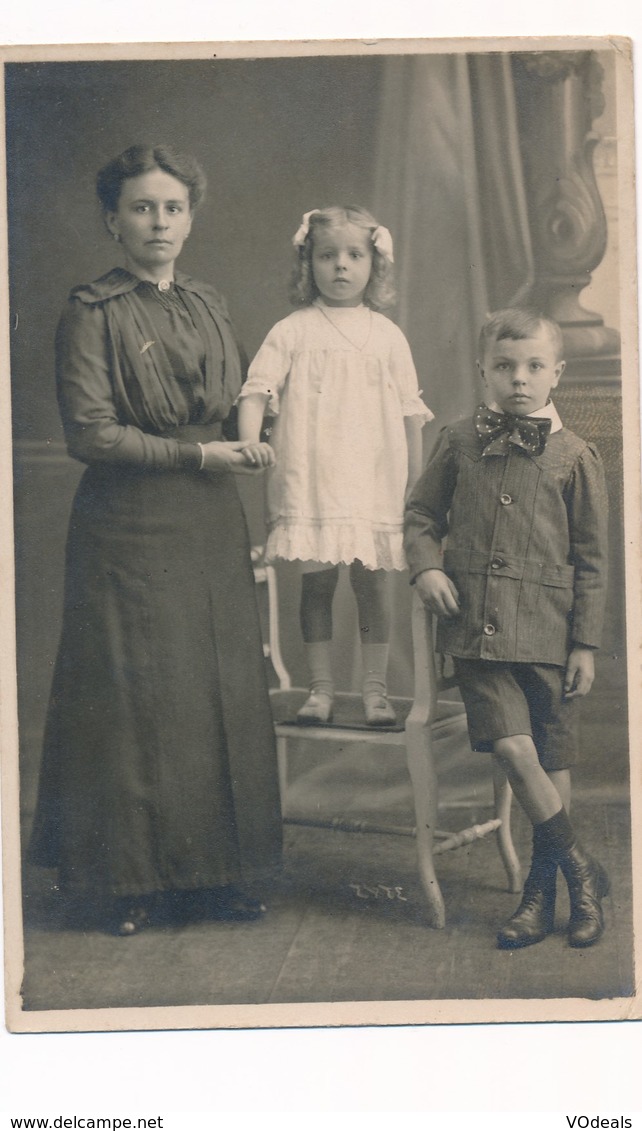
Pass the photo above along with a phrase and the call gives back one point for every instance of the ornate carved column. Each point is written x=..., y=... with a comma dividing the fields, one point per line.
x=559, y=95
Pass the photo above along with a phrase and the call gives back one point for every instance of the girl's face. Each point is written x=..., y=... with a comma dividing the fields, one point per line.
x=341, y=264
x=153, y=220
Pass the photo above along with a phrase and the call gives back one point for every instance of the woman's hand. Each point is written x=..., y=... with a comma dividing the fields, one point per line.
x=223, y=455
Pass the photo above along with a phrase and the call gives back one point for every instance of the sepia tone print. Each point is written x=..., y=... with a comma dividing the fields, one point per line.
x=146, y=883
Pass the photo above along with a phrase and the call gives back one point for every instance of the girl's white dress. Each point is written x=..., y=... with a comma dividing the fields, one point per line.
x=340, y=381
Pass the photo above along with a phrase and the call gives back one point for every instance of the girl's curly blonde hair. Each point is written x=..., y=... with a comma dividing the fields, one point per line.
x=380, y=292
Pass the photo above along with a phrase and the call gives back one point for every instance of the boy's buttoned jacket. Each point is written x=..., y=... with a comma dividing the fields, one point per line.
x=526, y=544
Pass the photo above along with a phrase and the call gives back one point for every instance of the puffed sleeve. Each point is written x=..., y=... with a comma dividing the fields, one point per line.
x=268, y=372
x=587, y=505
x=90, y=419
x=404, y=374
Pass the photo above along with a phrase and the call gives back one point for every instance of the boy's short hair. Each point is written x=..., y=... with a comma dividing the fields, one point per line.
x=518, y=323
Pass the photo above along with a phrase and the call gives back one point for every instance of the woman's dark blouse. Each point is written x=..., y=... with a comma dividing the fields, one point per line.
x=134, y=365
x=180, y=339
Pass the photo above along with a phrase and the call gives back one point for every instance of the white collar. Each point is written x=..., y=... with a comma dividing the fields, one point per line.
x=548, y=412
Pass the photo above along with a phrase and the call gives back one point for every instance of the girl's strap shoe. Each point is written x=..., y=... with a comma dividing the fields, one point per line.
x=316, y=710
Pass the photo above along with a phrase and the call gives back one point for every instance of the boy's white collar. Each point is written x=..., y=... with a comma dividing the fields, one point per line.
x=548, y=412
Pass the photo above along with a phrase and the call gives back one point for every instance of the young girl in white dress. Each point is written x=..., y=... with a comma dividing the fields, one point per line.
x=339, y=379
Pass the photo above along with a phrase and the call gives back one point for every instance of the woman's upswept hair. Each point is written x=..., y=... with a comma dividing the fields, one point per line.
x=380, y=292
x=518, y=323
x=139, y=159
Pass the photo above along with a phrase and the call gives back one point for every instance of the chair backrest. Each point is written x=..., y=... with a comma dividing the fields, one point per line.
x=265, y=575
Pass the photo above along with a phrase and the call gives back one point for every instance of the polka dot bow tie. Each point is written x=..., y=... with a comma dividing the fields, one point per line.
x=524, y=432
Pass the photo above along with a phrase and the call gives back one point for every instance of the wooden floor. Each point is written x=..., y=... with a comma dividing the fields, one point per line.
x=345, y=920
x=333, y=933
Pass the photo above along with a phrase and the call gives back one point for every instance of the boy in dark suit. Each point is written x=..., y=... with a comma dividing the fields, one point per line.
x=519, y=592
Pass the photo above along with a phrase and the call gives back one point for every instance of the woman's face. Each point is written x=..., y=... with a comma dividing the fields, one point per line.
x=152, y=220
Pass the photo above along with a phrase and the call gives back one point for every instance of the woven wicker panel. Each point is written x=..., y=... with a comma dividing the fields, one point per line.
x=594, y=411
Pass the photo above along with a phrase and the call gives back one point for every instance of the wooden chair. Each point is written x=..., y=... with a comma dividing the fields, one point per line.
x=416, y=722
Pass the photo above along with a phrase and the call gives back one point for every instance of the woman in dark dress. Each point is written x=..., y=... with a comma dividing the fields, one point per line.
x=159, y=768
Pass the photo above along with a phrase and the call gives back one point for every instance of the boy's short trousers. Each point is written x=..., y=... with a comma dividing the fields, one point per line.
x=502, y=699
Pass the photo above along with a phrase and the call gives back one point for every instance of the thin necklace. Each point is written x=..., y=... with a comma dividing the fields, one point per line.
x=354, y=344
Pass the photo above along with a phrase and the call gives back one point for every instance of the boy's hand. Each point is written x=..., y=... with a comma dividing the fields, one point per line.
x=438, y=592
x=580, y=672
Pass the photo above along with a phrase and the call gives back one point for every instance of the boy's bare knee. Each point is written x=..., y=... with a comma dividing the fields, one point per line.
x=514, y=751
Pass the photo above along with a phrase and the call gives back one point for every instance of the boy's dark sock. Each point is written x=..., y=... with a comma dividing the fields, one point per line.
x=554, y=836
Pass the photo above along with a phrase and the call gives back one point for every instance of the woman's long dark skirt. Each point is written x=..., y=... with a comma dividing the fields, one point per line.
x=159, y=767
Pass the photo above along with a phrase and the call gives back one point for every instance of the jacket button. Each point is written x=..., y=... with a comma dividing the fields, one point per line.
x=489, y=630
x=497, y=563
x=505, y=500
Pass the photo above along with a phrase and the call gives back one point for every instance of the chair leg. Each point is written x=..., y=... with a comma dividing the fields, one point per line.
x=503, y=798
x=423, y=776
x=282, y=768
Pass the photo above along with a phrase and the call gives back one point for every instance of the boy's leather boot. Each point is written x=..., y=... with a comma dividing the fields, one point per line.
x=587, y=883
x=535, y=916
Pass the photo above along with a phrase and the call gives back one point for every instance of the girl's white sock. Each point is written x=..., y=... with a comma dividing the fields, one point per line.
x=375, y=664
x=319, y=658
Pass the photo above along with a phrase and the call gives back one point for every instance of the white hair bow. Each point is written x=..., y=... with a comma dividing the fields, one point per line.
x=382, y=240
x=298, y=239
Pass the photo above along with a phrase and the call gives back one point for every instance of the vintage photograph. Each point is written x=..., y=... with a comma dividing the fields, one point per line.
x=325, y=475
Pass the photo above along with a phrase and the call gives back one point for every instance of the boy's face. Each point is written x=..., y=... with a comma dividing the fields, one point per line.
x=518, y=375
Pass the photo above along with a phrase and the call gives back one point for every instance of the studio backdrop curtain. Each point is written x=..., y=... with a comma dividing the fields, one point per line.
x=449, y=186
